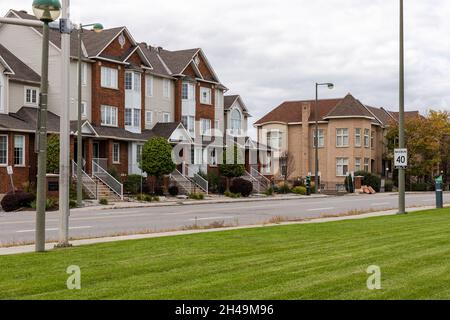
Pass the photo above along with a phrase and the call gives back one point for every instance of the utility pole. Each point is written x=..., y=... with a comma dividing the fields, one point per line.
x=401, y=171
x=64, y=127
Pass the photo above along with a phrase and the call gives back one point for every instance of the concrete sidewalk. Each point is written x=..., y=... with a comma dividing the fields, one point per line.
x=181, y=202
x=76, y=243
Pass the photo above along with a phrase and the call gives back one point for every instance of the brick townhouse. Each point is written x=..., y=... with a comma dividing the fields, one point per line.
x=131, y=91
x=351, y=138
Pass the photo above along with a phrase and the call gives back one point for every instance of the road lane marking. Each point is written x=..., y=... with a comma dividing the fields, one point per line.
x=54, y=229
x=210, y=218
x=320, y=209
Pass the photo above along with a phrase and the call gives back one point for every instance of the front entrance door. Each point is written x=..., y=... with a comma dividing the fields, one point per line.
x=96, y=150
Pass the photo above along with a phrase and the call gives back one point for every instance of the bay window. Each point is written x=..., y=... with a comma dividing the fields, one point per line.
x=274, y=139
x=341, y=167
x=132, y=117
x=236, y=121
x=342, y=139
x=206, y=127
x=189, y=124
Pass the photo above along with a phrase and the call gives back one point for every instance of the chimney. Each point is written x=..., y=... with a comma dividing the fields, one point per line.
x=305, y=145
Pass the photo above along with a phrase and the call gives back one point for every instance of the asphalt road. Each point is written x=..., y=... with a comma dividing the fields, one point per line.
x=18, y=228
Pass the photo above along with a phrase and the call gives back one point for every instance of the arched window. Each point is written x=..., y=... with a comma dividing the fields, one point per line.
x=236, y=121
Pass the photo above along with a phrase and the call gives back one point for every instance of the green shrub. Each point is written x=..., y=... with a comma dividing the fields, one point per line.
x=241, y=186
x=284, y=188
x=370, y=179
x=419, y=186
x=50, y=204
x=232, y=195
x=196, y=196
x=155, y=198
x=389, y=186
x=114, y=173
x=133, y=184
x=73, y=204
x=103, y=201
x=269, y=192
x=299, y=190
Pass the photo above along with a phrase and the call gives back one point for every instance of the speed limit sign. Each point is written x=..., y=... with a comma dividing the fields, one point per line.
x=401, y=158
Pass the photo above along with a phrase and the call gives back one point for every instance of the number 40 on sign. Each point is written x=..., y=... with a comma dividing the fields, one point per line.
x=401, y=158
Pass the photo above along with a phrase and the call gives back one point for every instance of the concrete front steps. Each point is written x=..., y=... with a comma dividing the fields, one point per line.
x=104, y=192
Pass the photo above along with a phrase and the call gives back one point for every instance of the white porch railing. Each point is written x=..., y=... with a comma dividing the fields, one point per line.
x=89, y=185
x=264, y=182
x=182, y=182
x=201, y=182
x=101, y=174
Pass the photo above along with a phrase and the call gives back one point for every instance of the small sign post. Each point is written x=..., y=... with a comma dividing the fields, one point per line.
x=10, y=172
x=401, y=158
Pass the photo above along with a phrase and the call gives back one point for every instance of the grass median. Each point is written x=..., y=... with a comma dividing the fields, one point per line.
x=313, y=261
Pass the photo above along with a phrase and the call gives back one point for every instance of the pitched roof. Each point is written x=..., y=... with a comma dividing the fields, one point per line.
x=382, y=115
x=291, y=111
x=349, y=107
x=21, y=71
x=10, y=122
x=164, y=130
x=95, y=42
x=159, y=67
x=229, y=101
x=30, y=116
x=177, y=61
x=408, y=115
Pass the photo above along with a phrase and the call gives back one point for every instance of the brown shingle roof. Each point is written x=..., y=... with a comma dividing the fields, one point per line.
x=382, y=115
x=177, y=61
x=155, y=60
x=408, y=115
x=349, y=107
x=291, y=111
x=94, y=42
x=21, y=71
x=229, y=100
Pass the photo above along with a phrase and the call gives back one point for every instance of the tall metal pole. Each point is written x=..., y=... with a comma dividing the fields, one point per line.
x=79, y=129
x=64, y=161
x=41, y=195
x=316, y=140
x=401, y=173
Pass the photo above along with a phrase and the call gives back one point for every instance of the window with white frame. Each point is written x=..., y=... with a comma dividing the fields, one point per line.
x=358, y=164
x=84, y=74
x=342, y=139
x=132, y=117
x=166, y=117
x=366, y=164
x=358, y=132
x=149, y=86
x=236, y=121
x=188, y=91
x=321, y=138
x=206, y=126
x=109, y=116
x=189, y=124
x=3, y=150
x=341, y=167
x=166, y=88
x=133, y=81
x=83, y=108
x=148, y=118
x=372, y=139
x=274, y=139
x=116, y=153
x=31, y=96
x=139, y=153
x=205, y=95
x=366, y=138
x=109, y=78
x=19, y=150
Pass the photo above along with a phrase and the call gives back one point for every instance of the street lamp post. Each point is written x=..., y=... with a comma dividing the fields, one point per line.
x=401, y=171
x=46, y=11
x=316, y=138
x=97, y=27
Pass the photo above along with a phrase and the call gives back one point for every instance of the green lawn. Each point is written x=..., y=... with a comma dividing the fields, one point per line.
x=315, y=261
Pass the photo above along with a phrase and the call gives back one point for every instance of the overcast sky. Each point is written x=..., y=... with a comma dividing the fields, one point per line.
x=272, y=51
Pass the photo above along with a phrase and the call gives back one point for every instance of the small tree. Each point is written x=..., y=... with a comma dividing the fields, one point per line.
x=233, y=164
x=287, y=165
x=157, y=159
x=53, y=154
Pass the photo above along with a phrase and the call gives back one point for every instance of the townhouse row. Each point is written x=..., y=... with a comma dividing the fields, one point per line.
x=131, y=92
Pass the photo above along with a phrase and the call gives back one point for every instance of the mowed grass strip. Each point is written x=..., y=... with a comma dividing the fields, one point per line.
x=314, y=261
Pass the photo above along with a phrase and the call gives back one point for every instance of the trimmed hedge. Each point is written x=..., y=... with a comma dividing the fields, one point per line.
x=15, y=201
x=370, y=179
x=242, y=186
